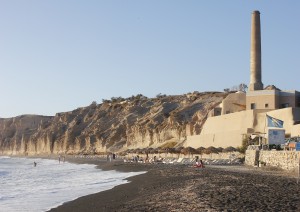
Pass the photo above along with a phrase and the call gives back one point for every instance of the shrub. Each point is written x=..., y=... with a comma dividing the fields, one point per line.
x=244, y=146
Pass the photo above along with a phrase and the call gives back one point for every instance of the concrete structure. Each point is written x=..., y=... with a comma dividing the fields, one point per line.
x=257, y=98
x=272, y=99
x=241, y=114
x=295, y=130
x=231, y=129
x=234, y=102
x=255, y=54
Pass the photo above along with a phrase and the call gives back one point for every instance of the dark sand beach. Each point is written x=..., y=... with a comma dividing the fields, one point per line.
x=169, y=187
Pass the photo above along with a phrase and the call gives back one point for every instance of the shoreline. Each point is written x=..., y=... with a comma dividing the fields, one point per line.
x=169, y=187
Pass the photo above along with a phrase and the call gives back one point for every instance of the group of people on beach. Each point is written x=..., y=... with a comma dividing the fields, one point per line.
x=110, y=157
x=138, y=159
x=60, y=158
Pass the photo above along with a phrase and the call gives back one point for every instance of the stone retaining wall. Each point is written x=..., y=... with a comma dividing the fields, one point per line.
x=251, y=157
x=287, y=160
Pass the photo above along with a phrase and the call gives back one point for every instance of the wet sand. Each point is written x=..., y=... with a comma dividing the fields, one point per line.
x=169, y=187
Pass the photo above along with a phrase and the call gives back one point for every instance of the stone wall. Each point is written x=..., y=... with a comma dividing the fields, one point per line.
x=287, y=160
x=251, y=157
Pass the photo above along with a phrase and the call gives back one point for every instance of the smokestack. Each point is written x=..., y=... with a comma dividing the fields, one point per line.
x=255, y=54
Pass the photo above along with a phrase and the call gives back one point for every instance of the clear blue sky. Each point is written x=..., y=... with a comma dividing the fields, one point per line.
x=57, y=55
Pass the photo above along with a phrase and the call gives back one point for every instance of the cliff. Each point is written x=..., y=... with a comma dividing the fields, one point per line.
x=114, y=125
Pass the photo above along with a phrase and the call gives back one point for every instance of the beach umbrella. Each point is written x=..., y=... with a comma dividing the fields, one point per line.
x=162, y=150
x=154, y=151
x=171, y=151
x=178, y=149
x=189, y=150
x=144, y=151
x=132, y=151
x=140, y=151
x=200, y=149
x=220, y=149
x=210, y=150
x=149, y=149
x=229, y=149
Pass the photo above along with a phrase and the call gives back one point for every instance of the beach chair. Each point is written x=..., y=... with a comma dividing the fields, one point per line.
x=173, y=160
x=185, y=161
x=192, y=160
x=179, y=160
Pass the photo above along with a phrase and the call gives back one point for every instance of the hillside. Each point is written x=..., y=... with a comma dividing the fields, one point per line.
x=114, y=125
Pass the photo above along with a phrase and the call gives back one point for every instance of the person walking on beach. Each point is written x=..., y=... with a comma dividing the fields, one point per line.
x=34, y=164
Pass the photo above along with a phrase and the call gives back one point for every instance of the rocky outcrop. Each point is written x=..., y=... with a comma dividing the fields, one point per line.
x=114, y=125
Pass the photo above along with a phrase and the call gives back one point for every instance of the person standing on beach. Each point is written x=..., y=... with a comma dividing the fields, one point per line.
x=59, y=159
x=201, y=164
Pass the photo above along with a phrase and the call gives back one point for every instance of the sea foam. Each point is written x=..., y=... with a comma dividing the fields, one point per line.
x=24, y=187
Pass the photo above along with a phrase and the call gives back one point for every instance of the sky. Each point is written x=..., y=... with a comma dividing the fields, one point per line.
x=58, y=55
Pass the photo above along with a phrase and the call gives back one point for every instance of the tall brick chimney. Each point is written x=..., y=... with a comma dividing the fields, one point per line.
x=255, y=54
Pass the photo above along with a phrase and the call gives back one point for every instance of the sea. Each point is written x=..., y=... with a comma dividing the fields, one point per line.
x=25, y=187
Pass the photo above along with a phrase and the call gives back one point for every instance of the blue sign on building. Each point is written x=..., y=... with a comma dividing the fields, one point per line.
x=297, y=146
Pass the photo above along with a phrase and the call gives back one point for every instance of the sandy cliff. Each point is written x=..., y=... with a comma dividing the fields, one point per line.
x=117, y=124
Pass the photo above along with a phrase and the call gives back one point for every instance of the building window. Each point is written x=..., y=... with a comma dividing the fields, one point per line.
x=266, y=105
x=217, y=111
x=253, y=106
x=285, y=105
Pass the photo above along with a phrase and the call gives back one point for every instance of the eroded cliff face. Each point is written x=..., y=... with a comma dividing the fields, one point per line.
x=135, y=122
